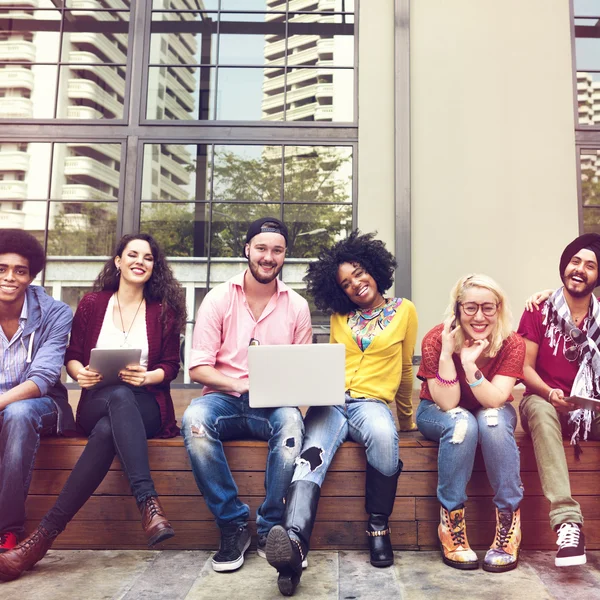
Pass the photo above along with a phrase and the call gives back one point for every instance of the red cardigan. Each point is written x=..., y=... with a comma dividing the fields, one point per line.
x=163, y=352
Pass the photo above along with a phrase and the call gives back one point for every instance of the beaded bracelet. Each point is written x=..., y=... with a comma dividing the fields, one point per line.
x=477, y=382
x=445, y=382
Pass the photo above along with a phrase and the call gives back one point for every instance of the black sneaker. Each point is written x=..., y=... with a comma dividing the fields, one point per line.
x=261, y=545
x=235, y=540
x=571, y=546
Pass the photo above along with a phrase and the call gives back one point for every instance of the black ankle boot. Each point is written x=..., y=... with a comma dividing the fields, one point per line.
x=288, y=543
x=379, y=503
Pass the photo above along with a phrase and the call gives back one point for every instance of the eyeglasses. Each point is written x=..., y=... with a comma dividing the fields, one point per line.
x=572, y=352
x=489, y=309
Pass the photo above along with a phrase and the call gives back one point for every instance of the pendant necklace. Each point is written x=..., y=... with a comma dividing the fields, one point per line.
x=126, y=334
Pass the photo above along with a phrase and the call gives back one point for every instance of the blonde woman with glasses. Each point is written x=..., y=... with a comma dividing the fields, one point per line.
x=469, y=367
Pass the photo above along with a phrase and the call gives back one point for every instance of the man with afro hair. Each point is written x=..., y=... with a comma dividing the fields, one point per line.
x=34, y=329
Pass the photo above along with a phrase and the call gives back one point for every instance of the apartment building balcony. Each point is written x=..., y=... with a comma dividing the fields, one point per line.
x=97, y=40
x=12, y=190
x=82, y=89
x=76, y=191
x=176, y=109
x=183, y=73
x=104, y=73
x=303, y=4
x=90, y=167
x=181, y=153
x=80, y=4
x=172, y=190
x=20, y=50
x=19, y=3
x=324, y=113
x=304, y=57
x=83, y=112
x=112, y=151
x=272, y=48
x=184, y=56
x=302, y=93
x=175, y=169
x=301, y=112
x=13, y=160
x=182, y=95
x=15, y=77
x=324, y=90
x=12, y=219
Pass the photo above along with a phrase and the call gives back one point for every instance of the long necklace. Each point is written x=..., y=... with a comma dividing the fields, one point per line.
x=126, y=334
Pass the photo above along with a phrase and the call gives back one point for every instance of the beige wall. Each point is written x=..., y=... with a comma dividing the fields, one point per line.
x=494, y=185
x=375, y=209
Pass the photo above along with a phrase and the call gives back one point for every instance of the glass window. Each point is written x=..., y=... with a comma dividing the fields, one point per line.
x=271, y=64
x=60, y=63
x=587, y=58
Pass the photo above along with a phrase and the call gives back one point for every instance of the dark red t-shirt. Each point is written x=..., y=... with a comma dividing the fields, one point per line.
x=509, y=361
x=551, y=364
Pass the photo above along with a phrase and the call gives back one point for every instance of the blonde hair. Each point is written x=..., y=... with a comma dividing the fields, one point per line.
x=503, y=327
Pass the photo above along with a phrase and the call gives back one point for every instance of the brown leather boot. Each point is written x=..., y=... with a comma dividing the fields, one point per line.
x=23, y=556
x=154, y=522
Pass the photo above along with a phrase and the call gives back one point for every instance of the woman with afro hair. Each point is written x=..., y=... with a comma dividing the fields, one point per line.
x=379, y=332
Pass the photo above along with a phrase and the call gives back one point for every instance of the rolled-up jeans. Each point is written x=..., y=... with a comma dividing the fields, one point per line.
x=458, y=432
x=216, y=417
x=364, y=420
x=21, y=425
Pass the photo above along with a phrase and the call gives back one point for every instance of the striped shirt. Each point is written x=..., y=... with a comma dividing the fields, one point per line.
x=14, y=354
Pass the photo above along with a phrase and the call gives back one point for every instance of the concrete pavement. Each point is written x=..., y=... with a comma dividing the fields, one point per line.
x=343, y=575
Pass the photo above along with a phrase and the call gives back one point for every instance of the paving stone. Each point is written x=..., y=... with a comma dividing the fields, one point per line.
x=359, y=580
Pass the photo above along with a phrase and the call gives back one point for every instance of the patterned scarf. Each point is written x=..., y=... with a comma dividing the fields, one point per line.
x=557, y=318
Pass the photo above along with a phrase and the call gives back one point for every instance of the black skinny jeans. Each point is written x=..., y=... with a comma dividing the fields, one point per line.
x=118, y=419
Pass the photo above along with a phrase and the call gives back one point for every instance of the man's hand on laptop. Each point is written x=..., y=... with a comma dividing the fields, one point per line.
x=557, y=399
x=241, y=386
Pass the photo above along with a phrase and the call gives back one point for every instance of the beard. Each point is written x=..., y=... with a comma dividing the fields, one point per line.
x=254, y=269
x=586, y=291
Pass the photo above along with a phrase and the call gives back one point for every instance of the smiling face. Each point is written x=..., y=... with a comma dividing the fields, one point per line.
x=136, y=262
x=478, y=326
x=581, y=274
x=358, y=285
x=15, y=277
x=266, y=253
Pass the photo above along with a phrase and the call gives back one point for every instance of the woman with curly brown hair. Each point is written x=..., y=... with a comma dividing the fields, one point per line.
x=136, y=303
x=349, y=280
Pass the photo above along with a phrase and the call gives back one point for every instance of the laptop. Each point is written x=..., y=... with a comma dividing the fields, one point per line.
x=296, y=375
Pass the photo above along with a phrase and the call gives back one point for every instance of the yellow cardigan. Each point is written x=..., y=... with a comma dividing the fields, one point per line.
x=386, y=365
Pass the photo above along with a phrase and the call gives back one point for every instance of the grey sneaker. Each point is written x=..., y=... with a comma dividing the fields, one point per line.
x=235, y=540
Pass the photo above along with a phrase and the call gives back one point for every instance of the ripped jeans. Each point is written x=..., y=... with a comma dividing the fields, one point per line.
x=458, y=431
x=216, y=417
x=366, y=421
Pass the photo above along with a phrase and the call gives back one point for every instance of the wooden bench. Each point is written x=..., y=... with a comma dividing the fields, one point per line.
x=110, y=519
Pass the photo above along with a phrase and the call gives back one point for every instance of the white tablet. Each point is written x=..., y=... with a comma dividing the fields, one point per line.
x=109, y=361
x=585, y=402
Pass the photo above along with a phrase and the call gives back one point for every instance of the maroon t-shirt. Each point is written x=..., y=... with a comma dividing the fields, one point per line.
x=551, y=365
x=509, y=361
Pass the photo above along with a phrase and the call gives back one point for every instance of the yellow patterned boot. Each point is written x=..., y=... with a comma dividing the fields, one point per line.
x=503, y=554
x=452, y=532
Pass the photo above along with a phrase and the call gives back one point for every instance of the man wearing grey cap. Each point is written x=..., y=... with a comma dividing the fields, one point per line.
x=254, y=307
x=563, y=359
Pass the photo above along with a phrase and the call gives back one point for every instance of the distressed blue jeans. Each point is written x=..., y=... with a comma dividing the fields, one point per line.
x=458, y=432
x=366, y=421
x=216, y=417
x=21, y=425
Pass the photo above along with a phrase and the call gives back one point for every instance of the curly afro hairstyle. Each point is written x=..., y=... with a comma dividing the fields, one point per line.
x=357, y=249
x=17, y=241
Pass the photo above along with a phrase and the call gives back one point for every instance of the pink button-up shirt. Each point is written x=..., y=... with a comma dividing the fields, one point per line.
x=225, y=325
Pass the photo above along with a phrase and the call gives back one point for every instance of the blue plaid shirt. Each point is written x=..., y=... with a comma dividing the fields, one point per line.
x=14, y=354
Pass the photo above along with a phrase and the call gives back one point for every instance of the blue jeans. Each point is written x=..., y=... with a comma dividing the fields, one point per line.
x=215, y=417
x=458, y=431
x=366, y=421
x=21, y=425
